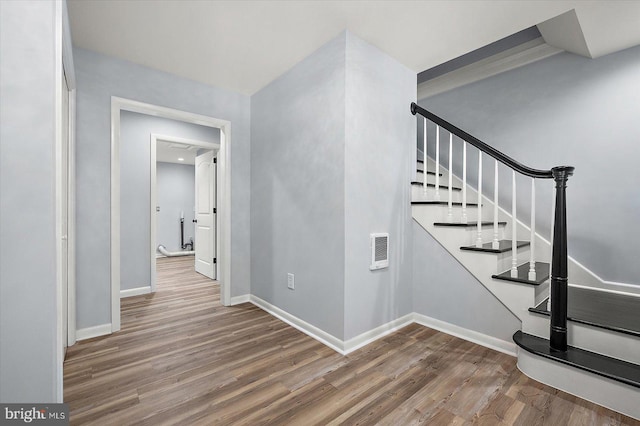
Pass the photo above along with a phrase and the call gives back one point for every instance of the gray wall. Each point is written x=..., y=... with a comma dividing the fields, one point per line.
x=135, y=189
x=328, y=170
x=444, y=290
x=98, y=78
x=27, y=203
x=568, y=110
x=176, y=194
x=378, y=159
x=297, y=189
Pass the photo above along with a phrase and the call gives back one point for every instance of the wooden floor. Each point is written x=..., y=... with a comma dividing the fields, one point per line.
x=182, y=358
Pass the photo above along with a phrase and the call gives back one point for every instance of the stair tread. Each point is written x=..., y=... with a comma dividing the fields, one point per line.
x=504, y=246
x=611, y=311
x=431, y=185
x=612, y=368
x=467, y=225
x=542, y=274
x=442, y=203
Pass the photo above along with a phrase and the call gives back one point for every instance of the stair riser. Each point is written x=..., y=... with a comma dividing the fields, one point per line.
x=440, y=213
x=505, y=259
x=418, y=194
x=432, y=179
x=594, y=339
x=606, y=392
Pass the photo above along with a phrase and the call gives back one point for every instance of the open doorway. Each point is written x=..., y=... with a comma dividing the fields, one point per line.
x=130, y=232
x=184, y=204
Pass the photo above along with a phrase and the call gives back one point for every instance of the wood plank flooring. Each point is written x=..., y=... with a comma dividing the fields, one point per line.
x=183, y=358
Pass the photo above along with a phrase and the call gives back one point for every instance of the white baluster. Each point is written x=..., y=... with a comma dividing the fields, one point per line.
x=450, y=213
x=424, y=157
x=479, y=236
x=437, y=195
x=464, y=182
x=514, y=227
x=495, y=244
x=532, y=244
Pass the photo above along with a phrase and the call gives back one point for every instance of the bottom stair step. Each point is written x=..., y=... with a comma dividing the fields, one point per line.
x=611, y=311
x=542, y=274
x=612, y=368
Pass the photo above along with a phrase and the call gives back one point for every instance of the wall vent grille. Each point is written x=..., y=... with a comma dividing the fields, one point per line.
x=379, y=251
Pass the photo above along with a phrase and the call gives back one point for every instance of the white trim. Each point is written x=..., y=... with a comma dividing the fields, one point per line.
x=130, y=292
x=71, y=226
x=224, y=174
x=153, y=202
x=510, y=59
x=155, y=137
x=607, y=286
x=115, y=216
x=295, y=322
x=59, y=346
x=377, y=333
x=490, y=342
x=346, y=347
x=95, y=331
x=237, y=300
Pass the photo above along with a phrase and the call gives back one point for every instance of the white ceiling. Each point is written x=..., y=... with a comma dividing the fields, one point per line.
x=171, y=152
x=244, y=45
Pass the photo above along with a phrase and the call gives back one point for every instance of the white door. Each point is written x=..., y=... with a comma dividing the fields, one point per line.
x=205, y=216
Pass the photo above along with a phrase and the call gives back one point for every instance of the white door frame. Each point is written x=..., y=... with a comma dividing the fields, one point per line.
x=224, y=184
x=154, y=195
x=64, y=66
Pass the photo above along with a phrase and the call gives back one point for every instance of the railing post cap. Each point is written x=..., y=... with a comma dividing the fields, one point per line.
x=562, y=171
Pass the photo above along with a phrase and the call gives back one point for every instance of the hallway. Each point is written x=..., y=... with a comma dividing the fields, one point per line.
x=182, y=358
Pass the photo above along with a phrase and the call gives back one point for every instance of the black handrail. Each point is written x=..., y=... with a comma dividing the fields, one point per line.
x=559, y=264
x=487, y=149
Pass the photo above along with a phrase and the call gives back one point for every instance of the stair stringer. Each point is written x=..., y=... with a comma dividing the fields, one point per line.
x=517, y=298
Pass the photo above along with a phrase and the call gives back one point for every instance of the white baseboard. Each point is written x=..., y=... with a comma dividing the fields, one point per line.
x=237, y=300
x=295, y=322
x=345, y=347
x=377, y=333
x=135, y=291
x=490, y=342
x=91, y=332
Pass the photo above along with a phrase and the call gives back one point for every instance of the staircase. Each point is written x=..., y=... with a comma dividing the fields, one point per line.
x=579, y=339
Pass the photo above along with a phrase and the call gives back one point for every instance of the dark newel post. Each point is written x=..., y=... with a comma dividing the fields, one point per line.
x=559, y=274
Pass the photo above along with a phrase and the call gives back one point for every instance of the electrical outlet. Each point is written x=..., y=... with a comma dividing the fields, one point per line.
x=291, y=281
